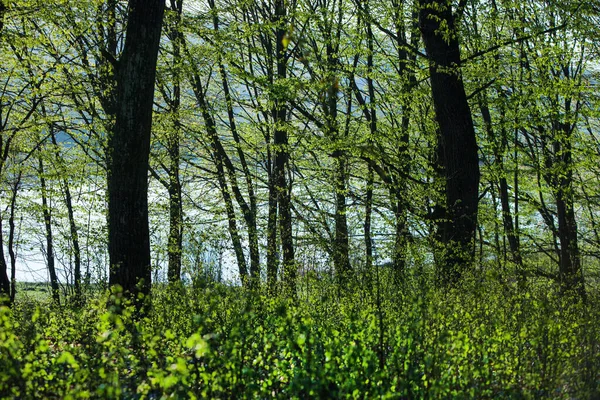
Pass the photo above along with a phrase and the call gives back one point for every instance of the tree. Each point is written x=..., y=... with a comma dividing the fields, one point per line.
x=457, y=153
x=172, y=183
x=129, y=149
x=280, y=191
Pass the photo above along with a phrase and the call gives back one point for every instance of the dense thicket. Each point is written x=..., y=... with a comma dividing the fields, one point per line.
x=218, y=343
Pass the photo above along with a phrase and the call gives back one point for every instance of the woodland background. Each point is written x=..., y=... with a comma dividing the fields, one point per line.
x=418, y=179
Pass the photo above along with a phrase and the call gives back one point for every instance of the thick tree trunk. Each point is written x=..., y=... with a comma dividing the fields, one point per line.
x=457, y=145
x=129, y=148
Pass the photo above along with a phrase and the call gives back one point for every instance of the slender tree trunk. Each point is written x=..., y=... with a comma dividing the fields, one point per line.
x=174, y=183
x=11, y=238
x=129, y=149
x=49, y=237
x=72, y=224
x=341, y=247
x=457, y=146
x=371, y=116
x=509, y=228
x=400, y=237
x=5, y=288
x=231, y=219
x=175, y=214
x=367, y=224
x=249, y=212
x=2, y=12
x=272, y=262
x=507, y=219
x=281, y=148
x=402, y=170
x=570, y=274
x=220, y=158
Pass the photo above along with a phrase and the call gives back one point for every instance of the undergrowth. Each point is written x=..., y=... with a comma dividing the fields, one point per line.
x=482, y=341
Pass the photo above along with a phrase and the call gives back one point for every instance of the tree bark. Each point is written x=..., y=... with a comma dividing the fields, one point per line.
x=341, y=248
x=2, y=12
x=4, y=281
x=272, y=259
x=49, y=237
x=281, y=148
x=174, y=183
x=11, y=238
x=457, y=145
x=129, y=148
x=367, y=223
x=570, y=274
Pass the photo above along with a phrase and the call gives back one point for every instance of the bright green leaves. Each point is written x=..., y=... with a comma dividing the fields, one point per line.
x=197, y=345
x=435, y=345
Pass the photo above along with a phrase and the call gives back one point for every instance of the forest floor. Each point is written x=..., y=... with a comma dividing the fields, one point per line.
x=483, y=340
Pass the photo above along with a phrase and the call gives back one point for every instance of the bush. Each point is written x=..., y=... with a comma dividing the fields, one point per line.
x=217, y=342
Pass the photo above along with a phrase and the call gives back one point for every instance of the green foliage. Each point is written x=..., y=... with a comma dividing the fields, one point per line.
x=221, y=342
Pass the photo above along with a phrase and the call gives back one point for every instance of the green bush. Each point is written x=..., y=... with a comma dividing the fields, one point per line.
x=478, y=342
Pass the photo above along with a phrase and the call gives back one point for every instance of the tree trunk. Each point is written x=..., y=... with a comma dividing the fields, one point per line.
x=281, y=165
x=49, y=237
x=174, y=184
x=401, y=236
x=4, y=281
x=2, y=12
x=570, y=274
x=341, y=248
x=72, y=224
x=457, y=145
x=507, y=219
x=249, y=212
x=129, y=148
x=11, y=238
x=272, y=262
x=367, y=224
x=220, y=158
